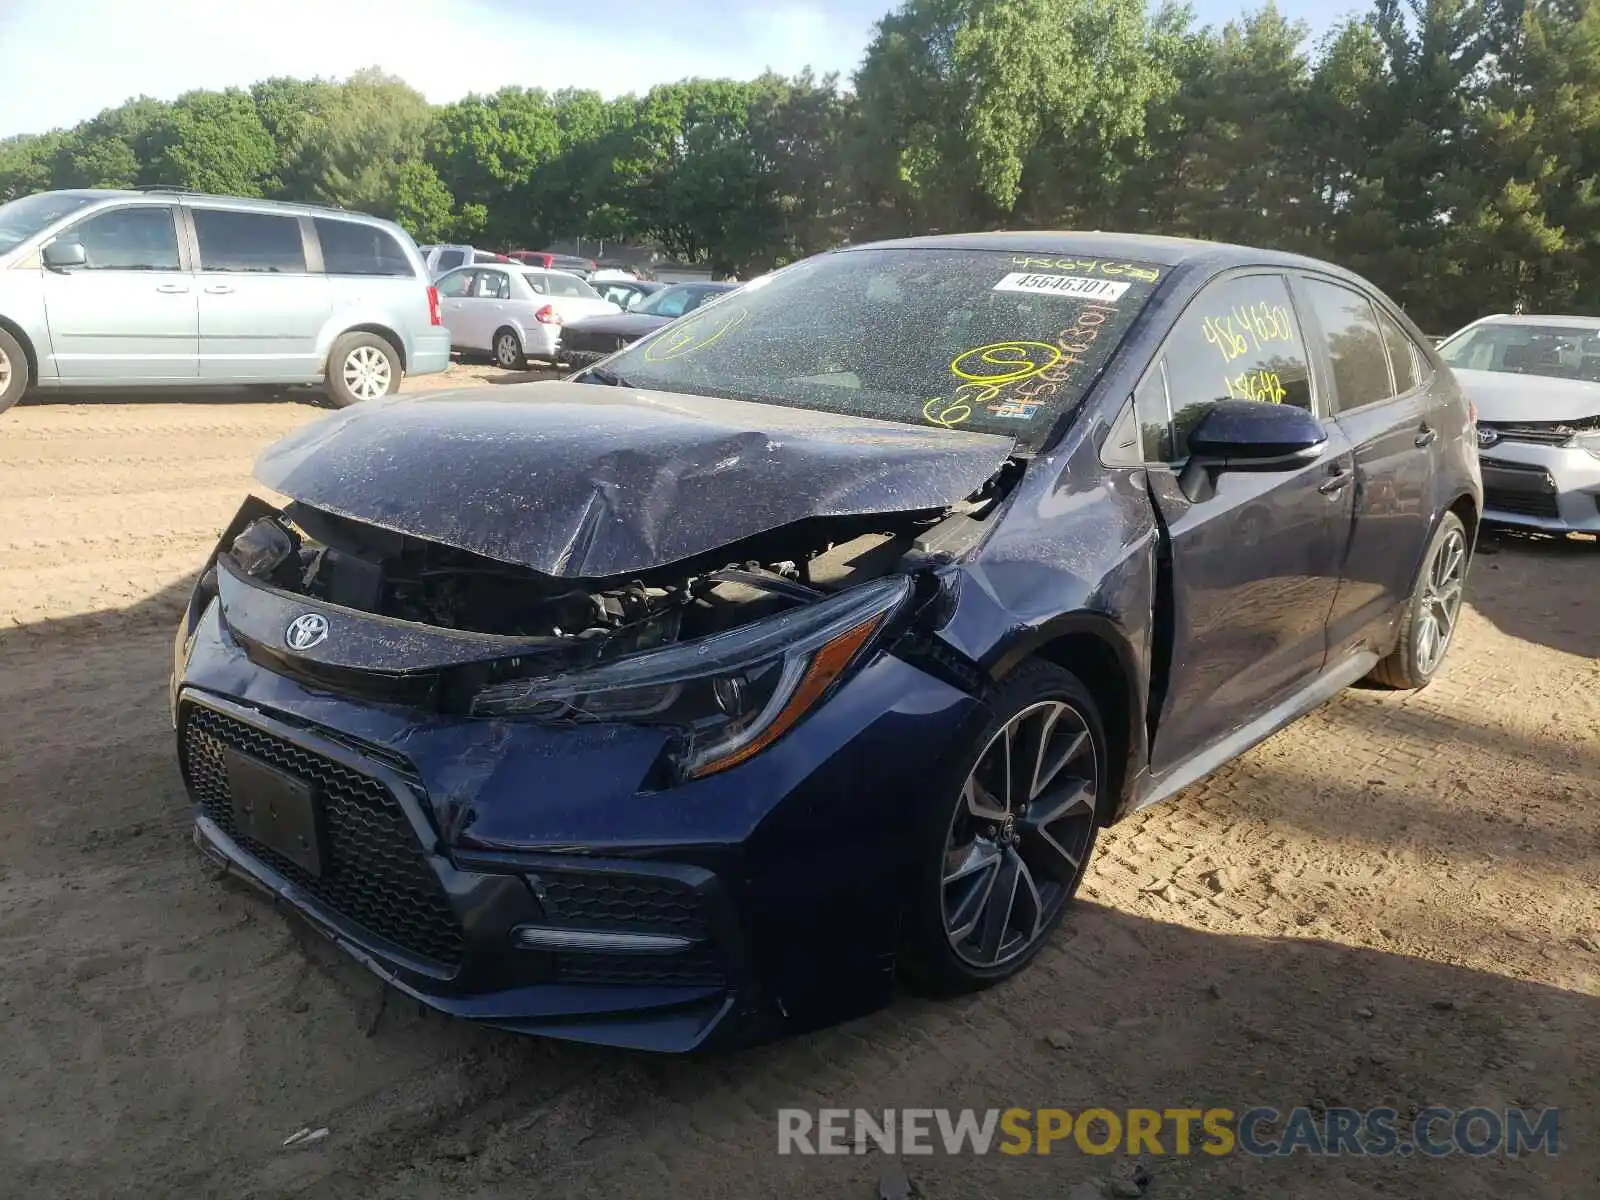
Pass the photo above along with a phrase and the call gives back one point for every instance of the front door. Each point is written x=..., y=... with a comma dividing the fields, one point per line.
x=262, y=311
x=1390, y=422
x=128, y=315
x=1255, y=561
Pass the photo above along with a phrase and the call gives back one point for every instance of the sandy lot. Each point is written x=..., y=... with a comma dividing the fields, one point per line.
x=1395, y=902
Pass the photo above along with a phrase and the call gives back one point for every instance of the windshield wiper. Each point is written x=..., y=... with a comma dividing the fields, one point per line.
x=603, y=375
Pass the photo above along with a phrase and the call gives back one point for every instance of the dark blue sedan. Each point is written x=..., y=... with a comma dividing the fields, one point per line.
x=804, y=644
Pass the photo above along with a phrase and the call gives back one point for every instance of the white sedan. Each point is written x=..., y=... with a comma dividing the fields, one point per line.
x=515, y=313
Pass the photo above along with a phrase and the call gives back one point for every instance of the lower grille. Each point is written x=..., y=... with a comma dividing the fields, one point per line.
x=632, y=904
x=1526, y=504
x=374, y=875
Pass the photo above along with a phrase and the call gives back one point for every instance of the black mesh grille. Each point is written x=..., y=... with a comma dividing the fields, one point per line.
x=1528, y=504
x=632, y=904
x=374, y=875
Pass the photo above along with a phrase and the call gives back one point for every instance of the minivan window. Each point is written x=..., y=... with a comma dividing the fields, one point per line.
x=1354, y=345
x=449, y=259
x=249, y=242
x=127, y=239
x=1238, y=340
x=349, y=248
x=23, y=218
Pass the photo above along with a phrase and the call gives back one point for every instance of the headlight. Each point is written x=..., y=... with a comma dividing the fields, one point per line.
x=732, y=694
x=1587, y=441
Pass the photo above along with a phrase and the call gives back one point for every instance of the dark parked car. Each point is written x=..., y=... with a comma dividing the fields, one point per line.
x=591, y=339
x=816, y=635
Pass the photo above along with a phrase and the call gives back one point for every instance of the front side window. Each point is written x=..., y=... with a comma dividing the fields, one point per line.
x=1527, y=348
x=492, y=285
x=1354, y=345
x=1238, y=340
x=349, y=248
x=128, y=239
x=991, y=341
x=455, y=285
x=256, y=243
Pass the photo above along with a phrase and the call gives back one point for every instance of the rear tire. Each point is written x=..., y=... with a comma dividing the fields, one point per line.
x=508, y=352
x=1433, y=613
x=992, y=837
x=362, y=366
x=14, y=378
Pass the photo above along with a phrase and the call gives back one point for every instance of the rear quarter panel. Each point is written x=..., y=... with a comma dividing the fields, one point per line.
x=387, y=302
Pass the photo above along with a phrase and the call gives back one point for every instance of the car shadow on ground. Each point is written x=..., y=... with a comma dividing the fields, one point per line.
x=263, y=394
x=533, y=374
x=1561, y=617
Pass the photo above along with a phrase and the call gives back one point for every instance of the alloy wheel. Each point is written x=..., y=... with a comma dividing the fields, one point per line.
x=1020, y=834
x=1441, y=601
x=5, y=370
x=507, y=350
x=367, y=373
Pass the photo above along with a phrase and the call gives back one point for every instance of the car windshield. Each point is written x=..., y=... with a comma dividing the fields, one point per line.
x=990, y=341
x=21, y=219
x=1560, y=351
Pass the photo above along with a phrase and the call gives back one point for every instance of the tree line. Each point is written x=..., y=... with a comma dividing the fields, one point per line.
x=1447, y=149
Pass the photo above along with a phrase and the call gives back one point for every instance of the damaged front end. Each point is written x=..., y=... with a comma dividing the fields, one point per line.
x=728, y=650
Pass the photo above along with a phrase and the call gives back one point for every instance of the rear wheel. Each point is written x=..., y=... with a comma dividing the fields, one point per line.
x=362, y=366
x=13, y=370
x=1007, y=845
x=1431, y=617
x=508, y=352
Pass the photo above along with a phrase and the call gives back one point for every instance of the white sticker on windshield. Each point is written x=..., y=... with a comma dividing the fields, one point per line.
x=1077, y=286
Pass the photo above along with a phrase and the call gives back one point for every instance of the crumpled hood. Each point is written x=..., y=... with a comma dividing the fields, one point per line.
x=1506, y=398
x=587, y=481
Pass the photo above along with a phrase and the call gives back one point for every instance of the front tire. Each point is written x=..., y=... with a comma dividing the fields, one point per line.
x=1433, y=613
x=362, y=366
x=1006, y=844
x=13, y=371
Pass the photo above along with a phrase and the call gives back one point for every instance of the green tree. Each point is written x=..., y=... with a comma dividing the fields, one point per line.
x=214, y=142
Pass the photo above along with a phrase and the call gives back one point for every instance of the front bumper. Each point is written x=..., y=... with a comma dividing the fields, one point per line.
x=1552, y=488
x=777, y=883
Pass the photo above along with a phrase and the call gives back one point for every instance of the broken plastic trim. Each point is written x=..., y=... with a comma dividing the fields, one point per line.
x=733, y=693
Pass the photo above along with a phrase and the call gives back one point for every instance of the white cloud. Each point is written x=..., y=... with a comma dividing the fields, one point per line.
x=67, y=60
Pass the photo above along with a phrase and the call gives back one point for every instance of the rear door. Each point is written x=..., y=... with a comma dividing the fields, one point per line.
x=129, y=313
x=454, y=290
x=1254, y=564
x=488, y=306
x=263, y=303
x=1386, y=411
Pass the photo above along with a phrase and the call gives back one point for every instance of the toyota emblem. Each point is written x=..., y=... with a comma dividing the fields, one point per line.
x=305, y=631
x=1487, y=437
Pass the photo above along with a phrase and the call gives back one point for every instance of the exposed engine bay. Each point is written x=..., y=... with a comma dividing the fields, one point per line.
x=307, y=551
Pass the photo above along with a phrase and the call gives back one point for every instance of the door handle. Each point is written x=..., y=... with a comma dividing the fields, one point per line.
x=219, y=289
x=1427, y=437
x=173, y=289
x=1337, y=480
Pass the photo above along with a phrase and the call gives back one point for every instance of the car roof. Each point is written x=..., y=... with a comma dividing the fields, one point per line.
x=158, y=195
x=1151, y=248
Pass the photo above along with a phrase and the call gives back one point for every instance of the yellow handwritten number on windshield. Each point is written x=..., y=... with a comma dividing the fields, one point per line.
x=949, y=413
x=1005, y=362
x=696, y=334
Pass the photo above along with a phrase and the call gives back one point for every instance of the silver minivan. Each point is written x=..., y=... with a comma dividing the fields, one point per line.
x=165, y=288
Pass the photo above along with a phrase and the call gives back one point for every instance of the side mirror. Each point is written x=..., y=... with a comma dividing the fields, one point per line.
x=1247, y=435
x=60, y=256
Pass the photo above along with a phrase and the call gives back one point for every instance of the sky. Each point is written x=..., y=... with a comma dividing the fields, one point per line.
x=66, y=60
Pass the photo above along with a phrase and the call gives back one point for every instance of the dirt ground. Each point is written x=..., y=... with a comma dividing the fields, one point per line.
x=1395, y=902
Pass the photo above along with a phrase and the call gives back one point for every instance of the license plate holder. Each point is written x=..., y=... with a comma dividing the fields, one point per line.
x=281, y=811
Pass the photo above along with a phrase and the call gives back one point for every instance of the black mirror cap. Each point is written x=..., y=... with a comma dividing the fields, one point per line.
x=65, y=254
x=1242, y=431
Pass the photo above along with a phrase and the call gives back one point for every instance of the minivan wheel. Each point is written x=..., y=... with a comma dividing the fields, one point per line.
x=1432, y=615
x=362, y=366
x=1007, y=843
x=508, y=350
x=13, y=371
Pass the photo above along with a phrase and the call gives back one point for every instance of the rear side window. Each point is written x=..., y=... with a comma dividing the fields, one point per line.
x=352, y=249
x=1238, y=340
x=1354, y=345
x=492, y=285
x=128, y=239
x=449, y=259
x=1403, y=354
x=249, y=242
